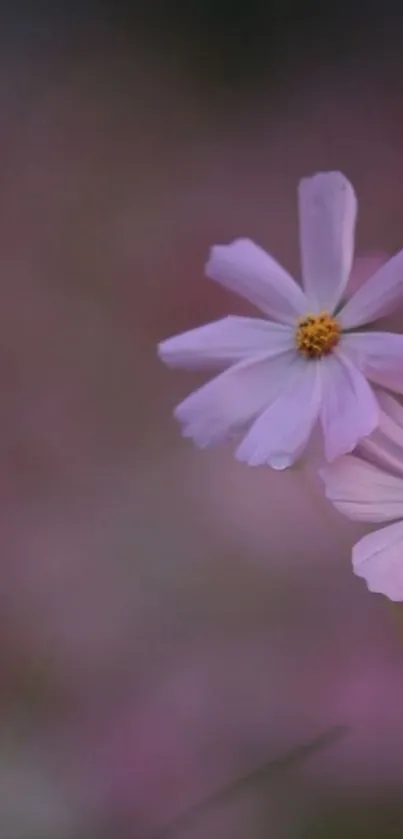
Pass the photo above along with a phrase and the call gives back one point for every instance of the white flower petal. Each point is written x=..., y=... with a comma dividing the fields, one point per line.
x=378, y=559
x=378, y=297
x=379, y=355
x=229, y=402
x=327, y=215
x=224, y=342
x=362, y=491
x=248, y=270
x=280, y=434
x=349, y=409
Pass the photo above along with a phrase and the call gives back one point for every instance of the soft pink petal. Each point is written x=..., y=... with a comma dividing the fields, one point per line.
x=362, y=491
x=279, y=436
x=229, y=402
x=246, y=269
x=327, y=211
x=225, y=342
x=349, y=409
x=378, y=559
x=385, y=445
x=363, y=268
x=379, y=355
x=377, y=297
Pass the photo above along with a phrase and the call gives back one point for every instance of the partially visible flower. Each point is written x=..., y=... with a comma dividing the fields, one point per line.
x=364, y=492
x=304, y=364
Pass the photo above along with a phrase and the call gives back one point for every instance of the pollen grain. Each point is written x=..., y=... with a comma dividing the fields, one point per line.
x=317, y=335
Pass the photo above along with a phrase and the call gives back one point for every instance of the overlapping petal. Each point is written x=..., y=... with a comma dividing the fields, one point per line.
x=362, y=491
x=349, y=409
x=248, y=270
x=279, y=435
x=233, y=399
x=365, y=492
x=379, y=355
x=385, y=445
x=225, y=342
x=377, y=558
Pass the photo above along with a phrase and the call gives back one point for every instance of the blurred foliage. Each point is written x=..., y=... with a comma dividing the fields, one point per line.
x=257, y=779
x=375, y=818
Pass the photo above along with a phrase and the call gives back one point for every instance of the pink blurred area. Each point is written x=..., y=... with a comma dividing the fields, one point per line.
x=170, y=619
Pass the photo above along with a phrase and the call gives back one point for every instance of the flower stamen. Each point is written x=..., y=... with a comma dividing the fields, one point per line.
x=317, y=335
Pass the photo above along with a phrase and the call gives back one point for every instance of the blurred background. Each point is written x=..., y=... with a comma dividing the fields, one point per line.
x=184, y=650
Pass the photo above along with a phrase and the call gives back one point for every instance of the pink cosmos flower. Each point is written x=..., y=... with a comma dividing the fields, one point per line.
x=364, y=492
x=302, y=363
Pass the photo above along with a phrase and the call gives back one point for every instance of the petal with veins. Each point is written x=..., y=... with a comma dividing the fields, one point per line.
x=379, y=355
x=224, y=342
x=327, y=213
x=378, y=559
x=363, y=268
x=349, y=408
x=391, y=407
x=229, y=402
x=385, y=445
x=248, y=270
x=280, y=434
x=362, y=491
x=377, y=297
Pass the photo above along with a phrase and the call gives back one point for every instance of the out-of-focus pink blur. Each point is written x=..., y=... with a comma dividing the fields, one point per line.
x=170, y=619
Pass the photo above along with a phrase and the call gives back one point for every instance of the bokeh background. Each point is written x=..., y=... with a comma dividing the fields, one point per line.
x=184, y=650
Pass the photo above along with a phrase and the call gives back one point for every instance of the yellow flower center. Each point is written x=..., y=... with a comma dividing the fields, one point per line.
x=317, y=335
